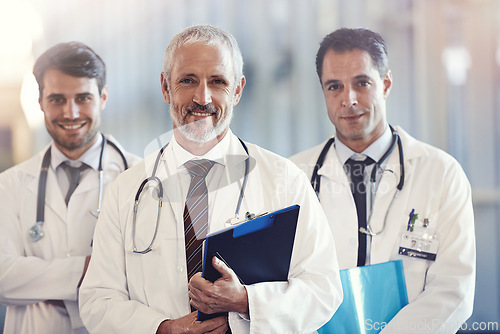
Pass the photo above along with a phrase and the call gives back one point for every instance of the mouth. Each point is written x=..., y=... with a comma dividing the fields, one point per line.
x=198, y=110
x=72, y=125
x=353, y=117
x=201, y=114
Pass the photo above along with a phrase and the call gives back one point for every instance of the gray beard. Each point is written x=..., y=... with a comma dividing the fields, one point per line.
x=194, y=131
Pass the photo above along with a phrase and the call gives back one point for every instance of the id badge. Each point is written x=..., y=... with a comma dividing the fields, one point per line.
x=419, y=240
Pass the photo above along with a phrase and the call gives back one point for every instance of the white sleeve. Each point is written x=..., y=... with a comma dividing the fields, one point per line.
x=26, y=279
x=105, y=305
x=313, y=291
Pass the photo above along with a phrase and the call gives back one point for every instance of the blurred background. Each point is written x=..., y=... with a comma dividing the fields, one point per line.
x=444, y=55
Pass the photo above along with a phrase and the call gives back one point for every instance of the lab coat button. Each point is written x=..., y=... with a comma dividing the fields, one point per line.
x=180, y=269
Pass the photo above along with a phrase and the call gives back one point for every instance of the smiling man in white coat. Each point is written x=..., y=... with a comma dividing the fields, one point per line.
x=388, y=196
x=48, y=218
x=150, y=290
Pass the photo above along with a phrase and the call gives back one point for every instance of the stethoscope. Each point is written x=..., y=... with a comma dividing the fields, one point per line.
x=316, y=179
x=159, y=187
x=36, y=231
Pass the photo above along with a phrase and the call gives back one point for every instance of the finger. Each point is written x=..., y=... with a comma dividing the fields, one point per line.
x=217, y=324
x=221, y=267
x=196, y=281
x=222, y=329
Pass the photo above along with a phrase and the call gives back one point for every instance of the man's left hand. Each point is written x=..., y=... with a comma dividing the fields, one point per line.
x=226, y=294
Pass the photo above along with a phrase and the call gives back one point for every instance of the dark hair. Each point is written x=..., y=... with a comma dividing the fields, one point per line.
x=345, y=39
x=73, y=58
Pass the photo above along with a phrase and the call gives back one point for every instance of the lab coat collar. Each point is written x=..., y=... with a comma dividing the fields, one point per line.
x=375, y=151
x=332, y=167
x=228, y=152
x=33, y=167
x=412, y=149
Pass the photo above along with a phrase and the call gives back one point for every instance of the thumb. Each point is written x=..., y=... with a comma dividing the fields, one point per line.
x=222, y=268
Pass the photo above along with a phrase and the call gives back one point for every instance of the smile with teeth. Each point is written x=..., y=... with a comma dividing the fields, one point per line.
x=201, y=114
x=71, y=126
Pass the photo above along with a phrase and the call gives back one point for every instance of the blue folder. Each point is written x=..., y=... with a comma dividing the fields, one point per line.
x=258, y=250
x=373, y=295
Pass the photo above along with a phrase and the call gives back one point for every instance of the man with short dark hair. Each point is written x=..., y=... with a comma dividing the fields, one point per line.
x=50, y=202
x=388, y=196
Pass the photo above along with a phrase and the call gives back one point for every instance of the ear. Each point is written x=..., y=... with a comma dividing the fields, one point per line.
x=104, y=97
x=387, y=83
x=239, y=91
x=164, y=87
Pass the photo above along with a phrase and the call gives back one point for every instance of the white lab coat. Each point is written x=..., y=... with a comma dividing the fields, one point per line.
x=134, y=293
x=440, y=293
x=50, y=269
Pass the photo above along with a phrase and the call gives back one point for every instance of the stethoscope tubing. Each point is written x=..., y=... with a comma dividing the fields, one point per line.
x=36, y=232
x=155, y=178
x=316, y=179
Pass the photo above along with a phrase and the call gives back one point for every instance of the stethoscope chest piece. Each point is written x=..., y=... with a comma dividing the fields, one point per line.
x=36, y=232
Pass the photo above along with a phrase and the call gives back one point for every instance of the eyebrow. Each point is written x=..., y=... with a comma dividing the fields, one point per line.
x=196, y=76
x=53, y=95
x=357, y=77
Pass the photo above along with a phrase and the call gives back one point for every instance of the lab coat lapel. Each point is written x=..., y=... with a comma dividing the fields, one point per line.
x=398, y=215
x=228, y=191
x=333, y=175
x=53, y=197
x=385, y=191
x=333, y=169
x=337, y=201
x=167, y=172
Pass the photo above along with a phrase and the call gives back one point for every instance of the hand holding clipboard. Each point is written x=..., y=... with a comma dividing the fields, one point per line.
x=258, y=250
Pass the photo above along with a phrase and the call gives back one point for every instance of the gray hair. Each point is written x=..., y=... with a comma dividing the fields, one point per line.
x=208, y=35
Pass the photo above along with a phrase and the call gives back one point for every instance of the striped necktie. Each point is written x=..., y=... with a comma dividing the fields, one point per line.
x=196, y=214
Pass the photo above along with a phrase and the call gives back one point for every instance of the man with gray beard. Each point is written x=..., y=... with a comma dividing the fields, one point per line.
x=143, y=278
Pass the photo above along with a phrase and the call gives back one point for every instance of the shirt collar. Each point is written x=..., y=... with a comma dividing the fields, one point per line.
x=375, y=151
x=90, y=157
x=216, y=154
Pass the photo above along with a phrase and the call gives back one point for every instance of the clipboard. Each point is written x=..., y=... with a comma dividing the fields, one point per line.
x=373, y=295
x=257, y=250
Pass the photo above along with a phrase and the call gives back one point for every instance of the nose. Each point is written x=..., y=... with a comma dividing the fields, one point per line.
x=71, y=110
x=202, y=94
x=349, y=98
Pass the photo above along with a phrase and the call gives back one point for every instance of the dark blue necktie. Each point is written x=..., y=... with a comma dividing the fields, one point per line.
x=356, y=170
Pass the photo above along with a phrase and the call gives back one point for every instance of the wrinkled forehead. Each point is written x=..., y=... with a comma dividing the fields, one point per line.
x=214, y=59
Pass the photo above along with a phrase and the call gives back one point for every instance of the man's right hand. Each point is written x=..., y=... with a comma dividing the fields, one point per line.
x=188, y=324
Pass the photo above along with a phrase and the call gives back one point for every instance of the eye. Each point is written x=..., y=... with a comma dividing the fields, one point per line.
x=219, y=81
x=364, y=83
x=83, y=98
x=334, y=86
x=186, y=81
x=57, y=100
